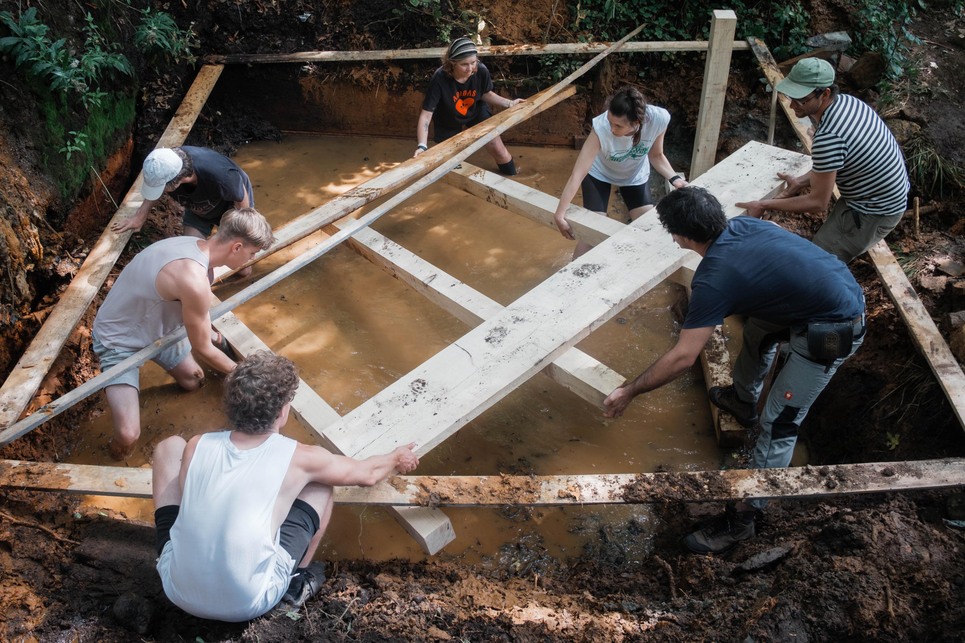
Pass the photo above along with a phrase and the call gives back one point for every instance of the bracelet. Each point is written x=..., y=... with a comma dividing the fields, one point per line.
x=675, y=177
x=422, y=147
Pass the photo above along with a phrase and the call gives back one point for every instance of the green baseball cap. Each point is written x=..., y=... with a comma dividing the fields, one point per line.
x=806, y=76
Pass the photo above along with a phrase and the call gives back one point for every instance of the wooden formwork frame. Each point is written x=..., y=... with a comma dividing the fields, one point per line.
x=573, y=369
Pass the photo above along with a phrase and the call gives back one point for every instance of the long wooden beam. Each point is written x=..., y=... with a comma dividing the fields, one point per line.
x=477, y=491
x=921, y=326
x=25, y=378
x=484, y=51
x=574, y=369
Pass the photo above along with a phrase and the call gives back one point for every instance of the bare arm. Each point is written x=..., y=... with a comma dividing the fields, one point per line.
x=187, y=281
x=136, y=222
x=667, y=368
x=495, y=100
x=791, y=200
x=323, y=467
x=660, y=163
x=591, y=147
x=422, y=132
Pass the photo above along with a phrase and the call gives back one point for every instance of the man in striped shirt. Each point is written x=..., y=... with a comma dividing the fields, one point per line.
x=853, y=148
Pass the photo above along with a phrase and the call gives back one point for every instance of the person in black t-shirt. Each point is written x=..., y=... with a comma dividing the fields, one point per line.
x=459, y=96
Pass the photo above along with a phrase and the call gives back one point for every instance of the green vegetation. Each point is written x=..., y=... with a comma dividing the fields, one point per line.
x=86, y=89
x=882, y=26
x=783, y=26
x=160, y=39
x=931, y=173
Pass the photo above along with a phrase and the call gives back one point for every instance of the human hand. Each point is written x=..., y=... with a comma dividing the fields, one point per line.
x=617, y=402
x=133, y=224
x=418, y=151
x=405, y=459
x=564, y=227
x=515, y=101
x=793, y=185
x=754, y=208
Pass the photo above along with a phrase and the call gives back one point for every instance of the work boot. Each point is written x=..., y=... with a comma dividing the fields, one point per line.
x=725, y=398
x=304, y=584
x=722, y=533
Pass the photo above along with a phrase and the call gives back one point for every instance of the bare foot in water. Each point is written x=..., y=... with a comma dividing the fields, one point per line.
x=118, y=452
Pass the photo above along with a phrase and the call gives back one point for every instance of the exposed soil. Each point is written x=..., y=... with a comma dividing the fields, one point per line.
x=881, y=567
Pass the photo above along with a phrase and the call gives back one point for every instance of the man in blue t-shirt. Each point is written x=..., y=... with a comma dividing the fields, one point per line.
x=788, y=289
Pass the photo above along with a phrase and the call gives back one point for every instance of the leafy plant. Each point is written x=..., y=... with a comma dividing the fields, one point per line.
x=892, y=440
x=882, y=26
x=160, y=38
x=54, y=64
x=76, y=143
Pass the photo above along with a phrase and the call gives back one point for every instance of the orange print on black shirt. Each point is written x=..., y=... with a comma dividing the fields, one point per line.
x=463, y=100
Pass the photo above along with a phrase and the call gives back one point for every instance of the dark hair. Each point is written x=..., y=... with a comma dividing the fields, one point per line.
x=257, y=390
x=629, y=103
x=187, y=166
x=692, y=212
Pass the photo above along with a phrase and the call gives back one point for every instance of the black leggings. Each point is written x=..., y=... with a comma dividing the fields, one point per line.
x=596, y=195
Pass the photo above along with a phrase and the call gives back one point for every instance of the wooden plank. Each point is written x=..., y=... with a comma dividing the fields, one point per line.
x=574, y=369
x=922, y=328
x=25, y=378
x=714, y=91
x=924, y=332
x=476, y=491
x=484, y=52
x=588, y=226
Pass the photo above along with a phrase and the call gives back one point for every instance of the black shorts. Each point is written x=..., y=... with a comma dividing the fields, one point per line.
x=206, y=223
x=297, y=531
x=596, y=195
x=442, y=133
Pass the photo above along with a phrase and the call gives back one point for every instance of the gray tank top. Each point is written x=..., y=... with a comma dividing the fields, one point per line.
x=133, y=315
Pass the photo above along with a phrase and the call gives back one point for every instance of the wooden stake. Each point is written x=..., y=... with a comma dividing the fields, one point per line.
x=917, y=219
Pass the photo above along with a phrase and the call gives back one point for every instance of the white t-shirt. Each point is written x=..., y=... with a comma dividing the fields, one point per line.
x=620, y=162
x=223, y=560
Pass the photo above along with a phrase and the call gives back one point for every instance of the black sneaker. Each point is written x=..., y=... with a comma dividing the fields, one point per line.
x=725, y=398
x=304, y=584
x=721, y=533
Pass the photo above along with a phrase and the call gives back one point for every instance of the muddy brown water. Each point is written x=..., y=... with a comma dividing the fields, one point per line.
x=352, y=330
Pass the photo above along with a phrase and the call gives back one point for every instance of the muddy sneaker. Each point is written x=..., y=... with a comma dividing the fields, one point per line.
x=721, y=533
x=725, y=398
x=305, y=583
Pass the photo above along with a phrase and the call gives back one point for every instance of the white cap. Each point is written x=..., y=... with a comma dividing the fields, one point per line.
x=160, y=166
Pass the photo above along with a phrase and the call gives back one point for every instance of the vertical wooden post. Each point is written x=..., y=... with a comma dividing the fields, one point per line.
x=722, y=28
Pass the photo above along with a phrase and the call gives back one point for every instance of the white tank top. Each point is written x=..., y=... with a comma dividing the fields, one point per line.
x=223, y=561
x=134, y=314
